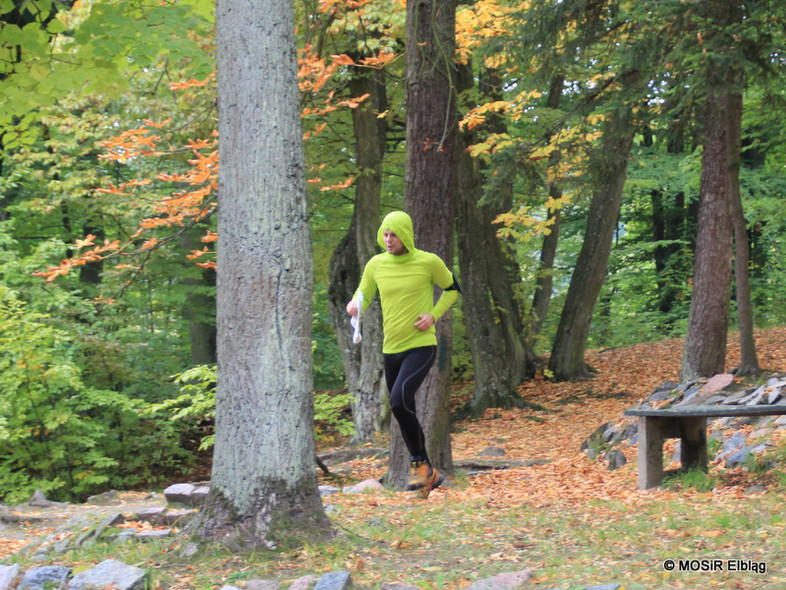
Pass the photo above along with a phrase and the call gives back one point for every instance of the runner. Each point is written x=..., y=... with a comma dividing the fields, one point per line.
x=405, y=277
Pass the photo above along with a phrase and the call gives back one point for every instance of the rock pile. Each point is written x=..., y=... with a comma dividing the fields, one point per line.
x=736, y=439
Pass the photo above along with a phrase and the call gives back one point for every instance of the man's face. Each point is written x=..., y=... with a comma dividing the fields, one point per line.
x=393, y=243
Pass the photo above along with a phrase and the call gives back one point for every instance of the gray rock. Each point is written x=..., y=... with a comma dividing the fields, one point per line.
x=199, y=495
x=9, y=575
x=327, y=490
x=365, y=486
x=341, y=580
x=112, y=573
x=303, y=583
x=492, y=451
x=153, y=535
x=738, y=457
x=258, y=584
x=153, y=514
x=177, y=517
x=774, y=396
x=504, y=581
x=179, y=493
x=103, y=499
x=398, y=586
x=734, y=442
x=605, y=587
x=45, y=577
x=616, y=459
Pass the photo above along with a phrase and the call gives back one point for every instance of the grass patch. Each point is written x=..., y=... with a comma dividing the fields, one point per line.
x=568, y=544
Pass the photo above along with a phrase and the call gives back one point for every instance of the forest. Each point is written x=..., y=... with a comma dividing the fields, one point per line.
x=617, y=178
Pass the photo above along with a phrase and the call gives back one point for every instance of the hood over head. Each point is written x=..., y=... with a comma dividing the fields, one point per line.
x=400, y=224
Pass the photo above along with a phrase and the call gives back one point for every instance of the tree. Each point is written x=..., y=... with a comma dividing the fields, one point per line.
x=704, y=353
x=567, y=352
x=493, y=314
x=430, y=185
x=264, y=488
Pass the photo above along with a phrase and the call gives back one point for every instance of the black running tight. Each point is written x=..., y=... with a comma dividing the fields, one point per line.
x=404, y=374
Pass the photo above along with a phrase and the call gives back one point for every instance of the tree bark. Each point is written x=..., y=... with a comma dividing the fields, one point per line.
x=429, y=192
x=704, y=353
x=362, y=362
x=749, y=362
x=608, y=170
x=264, y=487
x=501, y=355
x=548, y=251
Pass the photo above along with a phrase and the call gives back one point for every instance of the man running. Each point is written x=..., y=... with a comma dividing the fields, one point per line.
x=405, y=278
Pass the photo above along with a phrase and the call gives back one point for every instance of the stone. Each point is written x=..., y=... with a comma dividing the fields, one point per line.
x=341, y=580
x=616, y=459
x=177, y=517
x=258, y=584
x=605, y=587
x=199, y=495
x=153, y=535
x=39, y=500
x=179, y=493
x=774, y=396
x=504, y=581
x=303, y=583
x=365, y=486
x=112, y=573
x=492, y=451
x=327, y=490
x=717, y=382
x=154, y=514
x=9, y=575
x=735, y=441
x=737, y=457
x=103, y=499
x=45, y=577
x=398, y=586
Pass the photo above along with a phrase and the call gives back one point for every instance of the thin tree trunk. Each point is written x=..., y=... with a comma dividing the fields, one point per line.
x=264, y=488
x=567, y=353
x=548, y=251
x=429, y=192
x=749, y=362
x=368, y=389
x=492, y=315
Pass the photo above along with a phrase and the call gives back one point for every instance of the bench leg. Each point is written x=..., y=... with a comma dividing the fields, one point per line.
x=651, y=435
x=693, y=434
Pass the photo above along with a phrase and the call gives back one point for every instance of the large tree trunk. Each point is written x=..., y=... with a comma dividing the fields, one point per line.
x=609, y=168
x=362, y=362
x=704, y=353
x=430, y=186
x=264, y=489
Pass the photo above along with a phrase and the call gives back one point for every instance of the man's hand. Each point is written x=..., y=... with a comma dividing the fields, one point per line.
x=352, y=308
x=424, y=322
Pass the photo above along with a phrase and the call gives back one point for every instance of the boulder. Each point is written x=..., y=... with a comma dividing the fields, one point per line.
x=109, y=573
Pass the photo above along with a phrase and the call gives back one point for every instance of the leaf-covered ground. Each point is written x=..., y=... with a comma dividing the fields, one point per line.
x=571, y=521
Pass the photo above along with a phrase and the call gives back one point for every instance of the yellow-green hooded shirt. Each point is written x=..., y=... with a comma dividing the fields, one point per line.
x=406, y=287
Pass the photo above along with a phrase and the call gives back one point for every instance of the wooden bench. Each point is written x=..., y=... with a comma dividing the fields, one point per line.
x=689, y=424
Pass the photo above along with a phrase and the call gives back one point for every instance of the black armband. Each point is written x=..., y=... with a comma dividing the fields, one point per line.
x=455, y=286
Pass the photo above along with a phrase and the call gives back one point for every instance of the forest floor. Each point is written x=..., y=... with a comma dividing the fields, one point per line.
x=570, y=520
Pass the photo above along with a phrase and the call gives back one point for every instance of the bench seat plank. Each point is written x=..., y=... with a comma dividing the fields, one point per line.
x=710, y=411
